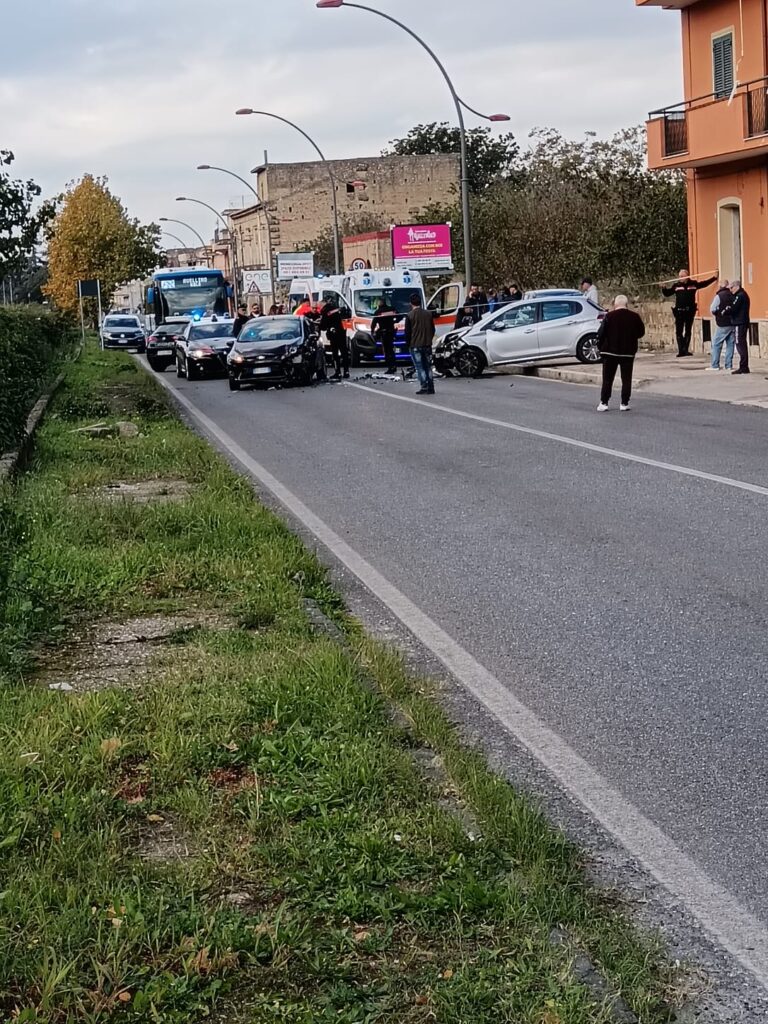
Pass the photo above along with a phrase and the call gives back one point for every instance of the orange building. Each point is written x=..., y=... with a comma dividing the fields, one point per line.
x=719, y=135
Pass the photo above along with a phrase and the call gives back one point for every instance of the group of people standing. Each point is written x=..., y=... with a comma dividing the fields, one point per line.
x=731, y=310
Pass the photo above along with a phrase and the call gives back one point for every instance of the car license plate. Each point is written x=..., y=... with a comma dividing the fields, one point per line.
x=258, y=370
x=163, y=348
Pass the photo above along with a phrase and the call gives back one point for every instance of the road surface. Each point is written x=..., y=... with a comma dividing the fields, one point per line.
x=608, y=571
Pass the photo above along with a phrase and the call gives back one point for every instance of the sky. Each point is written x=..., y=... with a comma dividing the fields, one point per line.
x=143, y=91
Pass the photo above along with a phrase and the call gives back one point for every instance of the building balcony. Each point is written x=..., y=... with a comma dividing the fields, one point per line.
x=710, y=129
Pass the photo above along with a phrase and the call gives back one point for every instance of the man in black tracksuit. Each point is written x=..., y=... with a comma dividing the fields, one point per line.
x=383, y=328
x=331, y=322
x=684, y=309
x=740, y=321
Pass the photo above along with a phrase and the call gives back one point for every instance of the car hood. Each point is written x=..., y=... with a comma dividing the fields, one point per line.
x=264, y=348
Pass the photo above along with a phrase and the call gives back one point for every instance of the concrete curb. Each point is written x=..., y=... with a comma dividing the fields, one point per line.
x=10, y=460
x=570, y=376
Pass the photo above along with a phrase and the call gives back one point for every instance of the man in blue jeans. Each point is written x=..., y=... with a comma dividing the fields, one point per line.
x=726, y=332
x=419, y=334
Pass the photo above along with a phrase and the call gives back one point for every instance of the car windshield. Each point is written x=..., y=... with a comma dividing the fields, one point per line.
x=367, y=300
x=203, y=295
x=220, y=330
x=170, y=329
x=122, y=321
x=266, y=330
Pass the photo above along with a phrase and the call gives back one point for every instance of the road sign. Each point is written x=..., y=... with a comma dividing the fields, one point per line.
x=359, y=264
x=257, y=282
x=295, y=264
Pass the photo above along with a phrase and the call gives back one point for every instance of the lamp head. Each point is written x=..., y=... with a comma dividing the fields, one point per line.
x=244, y=110
x=203, y=167
x=499, y=117
x=181, y=199
x=322, y=4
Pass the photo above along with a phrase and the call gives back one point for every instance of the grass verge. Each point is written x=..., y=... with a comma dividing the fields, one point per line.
x=247, y=834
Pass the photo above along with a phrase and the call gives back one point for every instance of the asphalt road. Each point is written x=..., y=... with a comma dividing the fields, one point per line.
x=623, y=602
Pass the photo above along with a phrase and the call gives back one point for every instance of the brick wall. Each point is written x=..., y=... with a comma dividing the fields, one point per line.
x=298, y=197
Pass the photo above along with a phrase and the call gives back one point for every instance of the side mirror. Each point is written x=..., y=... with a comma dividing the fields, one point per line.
x=498, y=325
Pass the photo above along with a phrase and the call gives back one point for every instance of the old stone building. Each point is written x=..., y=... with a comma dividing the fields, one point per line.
x=297, y=197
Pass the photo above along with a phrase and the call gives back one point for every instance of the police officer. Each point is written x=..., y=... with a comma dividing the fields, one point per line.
x=333, y=326
x=383, y=327
x=684, y=309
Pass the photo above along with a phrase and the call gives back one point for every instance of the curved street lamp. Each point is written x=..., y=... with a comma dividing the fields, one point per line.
x=170, y=220
x=461, y=106
x=223, y=219
x=311, y=141
x=267, y=218
x=177, y=239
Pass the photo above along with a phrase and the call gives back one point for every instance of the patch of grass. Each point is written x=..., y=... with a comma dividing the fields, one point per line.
x=247, y=835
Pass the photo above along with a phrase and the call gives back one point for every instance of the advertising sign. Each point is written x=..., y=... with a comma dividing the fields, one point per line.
x=295, y=264
x=422, y=246
x=257, y=282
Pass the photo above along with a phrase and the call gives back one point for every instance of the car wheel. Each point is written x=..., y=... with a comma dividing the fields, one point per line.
x=192, y=370
x=470, y=362
x=587, y=350
x=234, y=384
x=179, y=366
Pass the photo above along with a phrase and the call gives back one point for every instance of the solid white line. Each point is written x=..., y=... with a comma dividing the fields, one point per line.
x=699, y=474
x=739, y=931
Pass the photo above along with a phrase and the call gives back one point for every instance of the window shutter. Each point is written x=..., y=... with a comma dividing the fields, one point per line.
x=722, y=65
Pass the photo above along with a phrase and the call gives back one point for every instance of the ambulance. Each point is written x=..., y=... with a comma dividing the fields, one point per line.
x=320, y=289
x=361, y=292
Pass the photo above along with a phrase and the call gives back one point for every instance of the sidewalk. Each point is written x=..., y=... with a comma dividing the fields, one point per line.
x=662, y=373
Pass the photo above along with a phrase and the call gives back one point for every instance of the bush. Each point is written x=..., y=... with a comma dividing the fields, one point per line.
x=33, y=344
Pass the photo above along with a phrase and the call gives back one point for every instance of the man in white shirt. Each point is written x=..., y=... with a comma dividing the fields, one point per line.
x=590, y=291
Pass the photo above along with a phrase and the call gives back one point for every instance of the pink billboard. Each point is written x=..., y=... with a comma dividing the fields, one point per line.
x=422, y=246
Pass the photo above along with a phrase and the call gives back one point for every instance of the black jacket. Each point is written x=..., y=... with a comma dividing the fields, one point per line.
x=385, y=321
x=240, y=321
x=331, y=323
x=620, y=332
x=685, y=293
x=740, y=309
x=723, y=314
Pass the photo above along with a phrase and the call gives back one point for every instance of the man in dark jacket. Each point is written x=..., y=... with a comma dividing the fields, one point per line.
x=725, y=332
x=241, y=319
x=383, y=328
x=419, y=333
x=740, y=321
x=617, y=339
x=332, y=324
x=684, y=309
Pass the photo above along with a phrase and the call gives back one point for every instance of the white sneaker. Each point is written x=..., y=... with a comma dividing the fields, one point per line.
x=623, y=408
x=602, y=407
x=712, y=368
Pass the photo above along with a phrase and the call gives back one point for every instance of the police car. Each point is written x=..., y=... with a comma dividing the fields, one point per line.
x=203, y=348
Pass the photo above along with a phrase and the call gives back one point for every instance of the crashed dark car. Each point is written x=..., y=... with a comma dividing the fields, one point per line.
x=275, y=350
x=161, y=344
x=202, y=351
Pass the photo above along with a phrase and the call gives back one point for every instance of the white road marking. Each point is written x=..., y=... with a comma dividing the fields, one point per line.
x=426, y=403
x=739, y=931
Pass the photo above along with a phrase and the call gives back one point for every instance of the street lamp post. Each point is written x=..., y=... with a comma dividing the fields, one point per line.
x=170, y=220
x=311, y=141
x=222, y=218
x=460, y=107
x=267, y=218
x=177, y=239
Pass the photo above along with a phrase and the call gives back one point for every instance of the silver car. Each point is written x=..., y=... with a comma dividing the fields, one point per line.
x=530, y=331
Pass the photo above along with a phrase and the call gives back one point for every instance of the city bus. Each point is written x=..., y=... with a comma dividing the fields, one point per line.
x=188, y=292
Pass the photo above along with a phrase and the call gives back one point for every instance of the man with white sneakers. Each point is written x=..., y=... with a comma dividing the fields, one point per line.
x=617, y=339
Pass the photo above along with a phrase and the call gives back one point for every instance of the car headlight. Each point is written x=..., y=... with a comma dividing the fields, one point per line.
x=237, y=358
x=201, y=353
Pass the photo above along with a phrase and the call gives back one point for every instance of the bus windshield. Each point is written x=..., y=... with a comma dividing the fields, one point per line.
x=367, y=300
x=190, y=295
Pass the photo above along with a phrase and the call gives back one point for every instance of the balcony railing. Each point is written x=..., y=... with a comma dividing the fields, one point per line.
x=752, y=96
x=756, y=106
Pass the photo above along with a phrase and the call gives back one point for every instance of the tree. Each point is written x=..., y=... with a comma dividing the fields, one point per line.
x=92, y=236
x=578, y=207
x=490, y=158
x=19, y=226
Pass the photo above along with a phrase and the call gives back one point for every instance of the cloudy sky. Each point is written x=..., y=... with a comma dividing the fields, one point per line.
x=144, y=90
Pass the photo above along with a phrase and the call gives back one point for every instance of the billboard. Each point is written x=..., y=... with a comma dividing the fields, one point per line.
x=295, y=264
x=422, y=246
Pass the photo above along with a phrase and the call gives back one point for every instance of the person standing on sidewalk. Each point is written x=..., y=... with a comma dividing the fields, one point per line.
x=419, y=333
x=684, y=309
x=740, y=321
x=617, y=339
x=725, y=333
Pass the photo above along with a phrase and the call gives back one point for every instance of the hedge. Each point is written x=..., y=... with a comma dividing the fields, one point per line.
x=33, y=345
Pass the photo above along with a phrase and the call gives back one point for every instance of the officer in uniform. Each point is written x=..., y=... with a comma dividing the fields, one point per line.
x=333, y=326
x=684, y=309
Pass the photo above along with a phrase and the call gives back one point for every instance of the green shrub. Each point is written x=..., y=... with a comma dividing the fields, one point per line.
x=33, y=343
